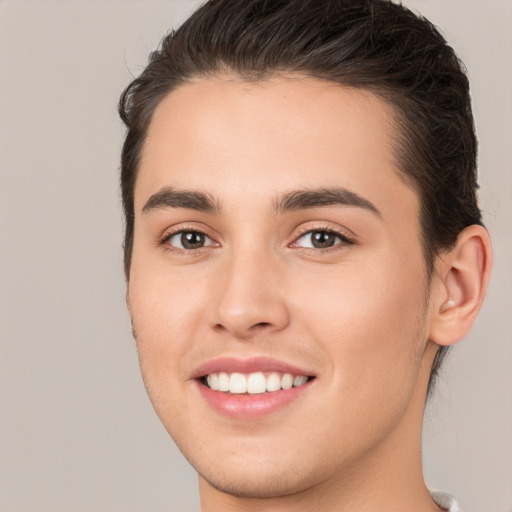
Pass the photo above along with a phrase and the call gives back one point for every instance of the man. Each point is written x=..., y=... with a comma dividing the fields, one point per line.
x=303, y=243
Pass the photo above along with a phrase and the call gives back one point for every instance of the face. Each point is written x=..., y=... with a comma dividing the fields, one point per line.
x=277, y=285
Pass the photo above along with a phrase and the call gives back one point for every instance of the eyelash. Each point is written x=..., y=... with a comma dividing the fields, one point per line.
x=168, y=236
x=345, y=240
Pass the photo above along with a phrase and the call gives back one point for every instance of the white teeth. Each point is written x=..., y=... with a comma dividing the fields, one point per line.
x=213, y=381
x=238, y=383
x=253, y=383
x=223, y=382
x=287, y=381
x=256, y=383
x=300, y=380
x=273, y=382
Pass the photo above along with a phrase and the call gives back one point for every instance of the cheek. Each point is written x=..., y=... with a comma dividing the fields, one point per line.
x=166, y=314
x=370, y=322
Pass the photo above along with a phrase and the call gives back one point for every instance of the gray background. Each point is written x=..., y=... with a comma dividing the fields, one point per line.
x=77, y=432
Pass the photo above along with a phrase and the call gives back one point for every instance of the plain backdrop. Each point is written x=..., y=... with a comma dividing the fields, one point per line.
x=77, y=432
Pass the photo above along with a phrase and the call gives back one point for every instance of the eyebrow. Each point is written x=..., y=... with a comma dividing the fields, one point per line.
x=316, y=198
x=169, y=197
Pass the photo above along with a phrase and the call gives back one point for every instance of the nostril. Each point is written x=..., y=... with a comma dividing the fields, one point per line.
x=255, y=327
x=253, y=317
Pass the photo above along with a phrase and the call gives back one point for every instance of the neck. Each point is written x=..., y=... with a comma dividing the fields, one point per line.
x=387, y=478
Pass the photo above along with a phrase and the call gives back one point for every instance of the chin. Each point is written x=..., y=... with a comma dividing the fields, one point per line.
x=256, y=466
x=255, y=485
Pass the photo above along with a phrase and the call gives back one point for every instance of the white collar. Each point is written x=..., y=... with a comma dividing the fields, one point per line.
x=445, y=501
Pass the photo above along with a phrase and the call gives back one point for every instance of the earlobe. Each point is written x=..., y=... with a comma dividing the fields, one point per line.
x=462, y=274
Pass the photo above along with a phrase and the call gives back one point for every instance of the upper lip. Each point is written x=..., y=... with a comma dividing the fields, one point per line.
x=250, y=365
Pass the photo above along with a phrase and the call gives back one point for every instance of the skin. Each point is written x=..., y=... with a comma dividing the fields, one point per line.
x=360, y=316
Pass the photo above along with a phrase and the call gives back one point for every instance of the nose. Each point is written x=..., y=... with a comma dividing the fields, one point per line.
x=251, y=297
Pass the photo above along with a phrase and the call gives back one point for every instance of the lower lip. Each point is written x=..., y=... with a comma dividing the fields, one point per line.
x=250, y=407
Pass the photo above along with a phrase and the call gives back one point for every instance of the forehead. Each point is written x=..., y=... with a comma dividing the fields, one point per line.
x=254, y=139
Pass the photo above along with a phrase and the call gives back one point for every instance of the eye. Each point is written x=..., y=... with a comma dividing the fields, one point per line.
x=321, y=239
x=188, y=240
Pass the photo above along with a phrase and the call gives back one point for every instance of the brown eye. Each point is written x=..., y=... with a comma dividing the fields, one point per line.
x=188, y=240
x=321, y=239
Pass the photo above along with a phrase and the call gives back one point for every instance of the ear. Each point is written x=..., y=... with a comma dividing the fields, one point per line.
x=461, y=279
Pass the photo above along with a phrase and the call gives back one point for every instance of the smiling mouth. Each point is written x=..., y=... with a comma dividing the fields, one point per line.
x=255, y=383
